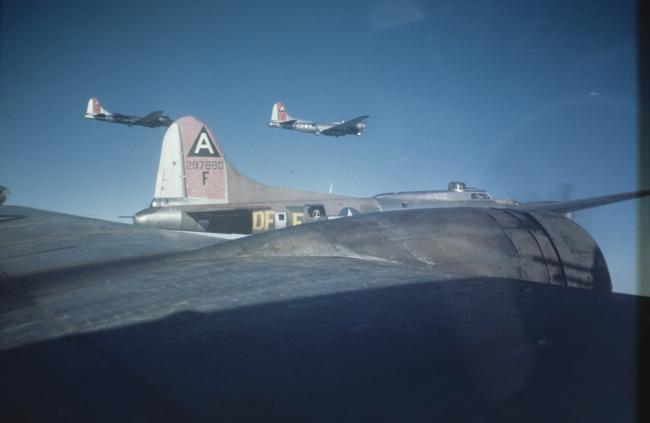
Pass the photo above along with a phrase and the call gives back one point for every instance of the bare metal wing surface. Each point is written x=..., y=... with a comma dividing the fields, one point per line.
x=347, y=127
x=582, y=204
x=383, y=316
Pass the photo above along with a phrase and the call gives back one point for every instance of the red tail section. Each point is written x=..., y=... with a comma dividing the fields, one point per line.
x=282, y=112
x=279, y=113
x=95, y=107
x=205, y=166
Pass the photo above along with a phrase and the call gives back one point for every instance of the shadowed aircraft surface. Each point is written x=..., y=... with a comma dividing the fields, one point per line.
x=105, y=321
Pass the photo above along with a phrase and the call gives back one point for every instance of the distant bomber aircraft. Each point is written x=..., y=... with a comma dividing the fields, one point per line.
x=281, y=119
x=152, y=120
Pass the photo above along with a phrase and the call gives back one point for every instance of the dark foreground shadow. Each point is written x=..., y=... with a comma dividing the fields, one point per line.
x=467, y=350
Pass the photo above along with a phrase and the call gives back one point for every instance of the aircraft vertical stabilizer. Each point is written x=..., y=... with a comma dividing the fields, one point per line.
x=95, y=108
x=191, y=164
x=280, y=114
x=193, y=170
x=170, y=181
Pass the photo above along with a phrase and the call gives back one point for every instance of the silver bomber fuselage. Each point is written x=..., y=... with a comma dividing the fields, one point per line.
x=315, y=127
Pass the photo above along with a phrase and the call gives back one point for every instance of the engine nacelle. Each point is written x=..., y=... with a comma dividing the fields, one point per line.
x=470, y=241
x=167, y=218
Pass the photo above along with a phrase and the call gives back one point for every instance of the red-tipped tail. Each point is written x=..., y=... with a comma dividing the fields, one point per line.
x=95, y=108
x=279, y=113
x=192, y=165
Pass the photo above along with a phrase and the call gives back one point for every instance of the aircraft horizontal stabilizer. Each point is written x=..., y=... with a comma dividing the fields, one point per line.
x=585, y=203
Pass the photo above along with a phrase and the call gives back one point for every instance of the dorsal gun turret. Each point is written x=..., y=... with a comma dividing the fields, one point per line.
x=456, y=186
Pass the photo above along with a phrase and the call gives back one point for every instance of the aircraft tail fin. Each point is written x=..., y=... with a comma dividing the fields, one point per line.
x=194, y=170
x=95, y=108
x=192, y=165
x=280, y=114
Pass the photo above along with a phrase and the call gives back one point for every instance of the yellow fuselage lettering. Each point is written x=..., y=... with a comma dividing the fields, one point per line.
x=264, y=220
x=269, y=219
x=258, y=221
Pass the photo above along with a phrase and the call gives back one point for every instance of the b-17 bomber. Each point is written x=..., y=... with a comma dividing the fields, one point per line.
x=96, y=111
x=280, y=118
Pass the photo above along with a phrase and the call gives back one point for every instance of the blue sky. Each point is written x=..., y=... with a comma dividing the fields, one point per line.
x=520, y=98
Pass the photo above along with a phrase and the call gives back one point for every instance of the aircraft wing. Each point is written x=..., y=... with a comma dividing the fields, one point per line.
x=329, y=321
x=153, y=120
x=581, y=204
x=346, y=127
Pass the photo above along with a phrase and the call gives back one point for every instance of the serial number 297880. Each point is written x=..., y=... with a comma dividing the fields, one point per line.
x=204, y=164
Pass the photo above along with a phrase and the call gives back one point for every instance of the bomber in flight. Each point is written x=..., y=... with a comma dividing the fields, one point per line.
x=197, y=189
x=280, y=118
x=152, y=120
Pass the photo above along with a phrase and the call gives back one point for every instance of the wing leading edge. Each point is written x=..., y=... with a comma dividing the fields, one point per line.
x=351, y=126
x=581, y=204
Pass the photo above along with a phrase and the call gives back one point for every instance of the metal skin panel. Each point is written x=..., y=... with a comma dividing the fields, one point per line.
x=101, y=321
x=464, y=240
x=578, y=254
x=205, y=167
x=460, y=241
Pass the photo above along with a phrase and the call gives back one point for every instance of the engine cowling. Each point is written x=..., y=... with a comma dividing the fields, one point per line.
x=469, y=241
x=166, y=218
